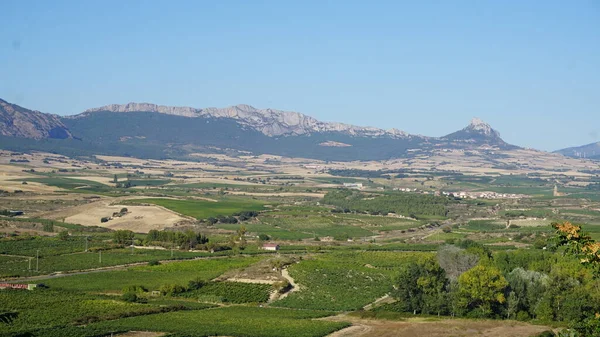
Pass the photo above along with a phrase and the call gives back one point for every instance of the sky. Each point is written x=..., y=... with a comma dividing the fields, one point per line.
x=529, y=68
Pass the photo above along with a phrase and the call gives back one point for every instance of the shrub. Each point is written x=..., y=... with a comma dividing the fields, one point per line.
x=129, y=297
x=135, y=289
x=171, y=289
x=154, y=263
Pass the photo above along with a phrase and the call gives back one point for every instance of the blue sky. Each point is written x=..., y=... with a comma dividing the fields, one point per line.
x=529, y=68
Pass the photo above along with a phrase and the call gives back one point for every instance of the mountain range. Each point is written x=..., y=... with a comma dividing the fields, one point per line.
x=156, y=131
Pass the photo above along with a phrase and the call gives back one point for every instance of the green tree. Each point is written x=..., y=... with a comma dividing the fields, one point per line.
x=63, y=235
x=482, y=288
x=420, y=287
x=123, y=236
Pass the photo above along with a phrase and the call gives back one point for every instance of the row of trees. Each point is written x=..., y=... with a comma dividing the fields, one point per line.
x=409, y=204
x=188, y=239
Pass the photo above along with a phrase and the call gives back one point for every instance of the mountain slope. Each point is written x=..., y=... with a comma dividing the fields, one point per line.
x=16, y=121
x=591, y=151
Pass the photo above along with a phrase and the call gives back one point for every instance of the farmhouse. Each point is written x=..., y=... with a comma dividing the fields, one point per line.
x=270, y=246
x=354, y=185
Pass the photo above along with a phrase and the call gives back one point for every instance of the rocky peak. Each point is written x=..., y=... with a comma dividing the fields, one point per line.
x=477, y=132
x=480, y=126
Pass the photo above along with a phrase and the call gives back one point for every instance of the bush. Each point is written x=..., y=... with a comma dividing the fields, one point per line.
x=63, y=235
x=196, y=284
x=136, y=289
x=129, y=297
x=154, y=263
x=171, y=289
x=104, y=219
x=523, y=316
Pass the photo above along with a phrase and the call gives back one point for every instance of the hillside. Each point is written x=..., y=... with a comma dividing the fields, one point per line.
x=16, y=121
x=590, y=151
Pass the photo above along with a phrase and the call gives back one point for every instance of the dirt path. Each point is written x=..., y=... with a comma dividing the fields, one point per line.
x=295, y=287
x=354, y=330
x=444, y=327
x=382, y=300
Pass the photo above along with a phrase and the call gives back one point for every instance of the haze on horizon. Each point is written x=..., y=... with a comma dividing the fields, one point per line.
x=531, y=69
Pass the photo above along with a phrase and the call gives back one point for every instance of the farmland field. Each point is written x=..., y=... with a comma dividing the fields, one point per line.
x=151, y=277
x=202, y=209
x=200, y=271
x=233, y=321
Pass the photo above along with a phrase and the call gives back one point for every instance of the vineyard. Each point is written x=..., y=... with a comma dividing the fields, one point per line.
x=43, y=309
x=232, y=321
x=343, y=281
x=152, y=277
x=231, y=292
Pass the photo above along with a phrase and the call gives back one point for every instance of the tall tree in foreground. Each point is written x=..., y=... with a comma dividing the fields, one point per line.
x=580, y=244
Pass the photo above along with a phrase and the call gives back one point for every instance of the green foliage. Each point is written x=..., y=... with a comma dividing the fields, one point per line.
x=130, y=297
x=421, y=287
x=408, y=204
x=63, y=235
x=184, y=240
x=482, y=287
x=123, y=236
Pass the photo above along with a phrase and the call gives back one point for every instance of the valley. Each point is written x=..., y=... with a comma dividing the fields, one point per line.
x=152, y=245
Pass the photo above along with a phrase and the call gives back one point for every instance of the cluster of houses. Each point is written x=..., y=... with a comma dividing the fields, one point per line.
x=484, y=195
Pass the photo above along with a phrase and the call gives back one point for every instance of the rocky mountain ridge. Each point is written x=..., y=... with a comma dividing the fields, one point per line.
x=270, y=122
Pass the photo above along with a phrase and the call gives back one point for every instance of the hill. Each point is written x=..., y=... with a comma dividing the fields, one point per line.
x=16, y=121
x=590, y=151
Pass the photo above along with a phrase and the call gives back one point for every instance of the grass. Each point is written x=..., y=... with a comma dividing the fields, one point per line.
x=202, y=209
x=77, y=185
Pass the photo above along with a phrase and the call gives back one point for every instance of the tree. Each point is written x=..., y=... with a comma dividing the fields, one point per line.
x=482, y=287
x=421, y=286
x=115, y=179
x=528, y=287
x=123, y=236
x=63, y=235
x=455, y=261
